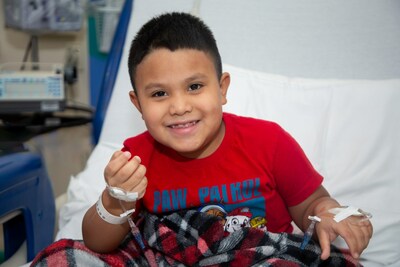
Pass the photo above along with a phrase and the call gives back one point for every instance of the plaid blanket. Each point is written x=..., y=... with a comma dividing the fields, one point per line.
x=191, y=238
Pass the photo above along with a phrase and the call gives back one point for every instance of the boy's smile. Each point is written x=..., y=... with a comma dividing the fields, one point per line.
x=181, y=98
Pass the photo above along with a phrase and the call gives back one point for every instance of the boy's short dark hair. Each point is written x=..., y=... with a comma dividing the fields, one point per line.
x=173, y=31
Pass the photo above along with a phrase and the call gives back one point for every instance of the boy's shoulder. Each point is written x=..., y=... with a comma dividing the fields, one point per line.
x=253, y=131
x=250, y=123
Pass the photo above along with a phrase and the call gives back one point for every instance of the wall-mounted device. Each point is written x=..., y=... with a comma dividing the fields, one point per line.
x=44, y=16
x=35, y=87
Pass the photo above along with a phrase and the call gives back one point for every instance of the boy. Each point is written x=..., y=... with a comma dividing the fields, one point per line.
x=194, y=155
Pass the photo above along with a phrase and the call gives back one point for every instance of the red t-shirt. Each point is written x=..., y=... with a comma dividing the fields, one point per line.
x=258, y=166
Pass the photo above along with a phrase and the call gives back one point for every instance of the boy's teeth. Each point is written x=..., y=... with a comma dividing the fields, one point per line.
x=183, y=125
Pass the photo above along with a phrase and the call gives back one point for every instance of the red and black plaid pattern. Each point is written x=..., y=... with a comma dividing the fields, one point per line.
x=191, y=238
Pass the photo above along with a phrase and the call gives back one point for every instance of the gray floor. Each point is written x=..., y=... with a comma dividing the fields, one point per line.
x=65, y=153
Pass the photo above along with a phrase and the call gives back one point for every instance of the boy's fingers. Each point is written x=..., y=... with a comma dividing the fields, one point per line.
x=356, y=236
x=361, y=236
x=353, y=247
x=138, y=181
x=127, y=170
x=117, y=167
x=368, y=231
x=120, y=153
x=141, y=187
x=127, y=154
x=325, y=244
x=135, y=178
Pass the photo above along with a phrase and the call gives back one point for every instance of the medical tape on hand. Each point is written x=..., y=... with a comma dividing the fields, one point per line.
x=342, y=213
x=121, y=194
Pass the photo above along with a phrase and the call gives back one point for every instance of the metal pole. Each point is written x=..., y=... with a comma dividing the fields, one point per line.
x=35, y=51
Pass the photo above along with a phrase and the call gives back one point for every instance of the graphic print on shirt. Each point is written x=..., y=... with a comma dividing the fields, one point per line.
x=243, y=203
x=236, y=219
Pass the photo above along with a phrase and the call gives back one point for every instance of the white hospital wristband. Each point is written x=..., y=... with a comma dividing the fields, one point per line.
x=108, y=217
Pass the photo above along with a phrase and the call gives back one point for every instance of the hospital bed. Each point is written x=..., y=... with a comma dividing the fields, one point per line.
x=327, y=71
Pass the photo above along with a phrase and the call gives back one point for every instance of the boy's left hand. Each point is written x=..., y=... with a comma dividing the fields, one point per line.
x=355, y=232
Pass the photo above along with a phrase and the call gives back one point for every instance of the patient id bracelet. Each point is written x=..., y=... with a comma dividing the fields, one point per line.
x=110, y=218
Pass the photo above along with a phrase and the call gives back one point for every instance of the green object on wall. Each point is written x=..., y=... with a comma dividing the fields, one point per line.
x=97, y=62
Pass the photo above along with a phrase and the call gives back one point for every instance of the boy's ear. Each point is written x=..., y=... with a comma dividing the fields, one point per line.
x=135, y=101
x=224, y=85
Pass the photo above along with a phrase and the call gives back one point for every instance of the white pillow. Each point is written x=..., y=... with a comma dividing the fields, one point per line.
x=362, y=158
x=349, y=129
x=300, y=106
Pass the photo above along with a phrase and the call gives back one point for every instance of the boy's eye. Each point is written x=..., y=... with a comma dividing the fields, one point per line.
x=195, y=86
x=159, y=94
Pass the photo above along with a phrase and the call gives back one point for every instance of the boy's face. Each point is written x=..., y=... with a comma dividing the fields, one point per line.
x=181, y=98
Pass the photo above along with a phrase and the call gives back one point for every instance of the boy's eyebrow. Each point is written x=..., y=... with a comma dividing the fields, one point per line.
x=152, y=85
x=187, y=80
x=195, y=76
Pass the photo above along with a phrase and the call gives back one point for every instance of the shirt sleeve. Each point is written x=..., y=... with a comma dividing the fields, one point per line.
x=294, y=175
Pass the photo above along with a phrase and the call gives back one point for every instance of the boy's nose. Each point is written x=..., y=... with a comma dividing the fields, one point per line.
x=180, y=105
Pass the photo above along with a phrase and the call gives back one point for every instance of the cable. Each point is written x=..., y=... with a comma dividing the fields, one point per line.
x=27, y=50
x=22, y=127
x=87, y=109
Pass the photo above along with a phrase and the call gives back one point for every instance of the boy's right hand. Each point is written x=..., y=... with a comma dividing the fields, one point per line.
x=126, y=173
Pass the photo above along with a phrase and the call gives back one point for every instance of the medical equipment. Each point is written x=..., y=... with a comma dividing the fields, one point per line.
x=121, y=194
x=27, y=209
x=38, y=88
x=134, y=229
x=44, y=15
x=340, y=214
x=310, y=231
x=106, y=16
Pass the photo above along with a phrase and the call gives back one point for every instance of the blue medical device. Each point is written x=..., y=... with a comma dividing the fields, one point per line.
x=27, y=205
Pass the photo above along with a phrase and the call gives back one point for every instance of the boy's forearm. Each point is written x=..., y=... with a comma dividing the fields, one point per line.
x=317, y=203
x=99, y=235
